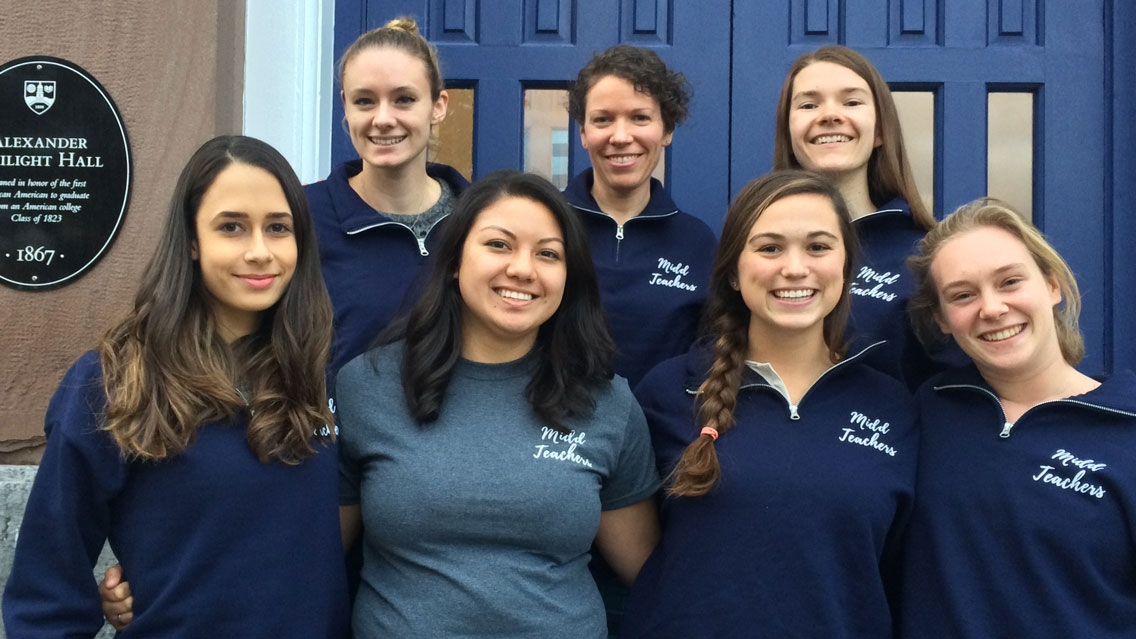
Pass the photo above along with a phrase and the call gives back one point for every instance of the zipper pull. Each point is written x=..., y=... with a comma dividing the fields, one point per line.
x=619, y=232
x=793, y=414
x=422, y=246
x=1005, y=434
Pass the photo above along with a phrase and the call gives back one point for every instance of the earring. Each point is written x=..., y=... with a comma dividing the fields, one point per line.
x=734, y=283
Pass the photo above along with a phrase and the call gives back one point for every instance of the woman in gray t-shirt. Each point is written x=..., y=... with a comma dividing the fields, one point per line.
x=488, y=447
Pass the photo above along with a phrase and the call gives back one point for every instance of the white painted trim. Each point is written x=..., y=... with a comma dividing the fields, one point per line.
x=289, y=67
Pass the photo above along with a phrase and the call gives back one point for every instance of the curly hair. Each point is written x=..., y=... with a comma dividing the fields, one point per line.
x=645, y=71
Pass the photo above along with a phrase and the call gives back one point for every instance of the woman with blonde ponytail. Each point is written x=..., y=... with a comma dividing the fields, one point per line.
x=791, y=462
x=379, y=217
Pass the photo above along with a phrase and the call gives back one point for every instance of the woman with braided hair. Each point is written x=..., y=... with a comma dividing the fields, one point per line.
x=788, y=488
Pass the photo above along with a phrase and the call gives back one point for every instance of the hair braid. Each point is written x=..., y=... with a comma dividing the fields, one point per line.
x=698, y=470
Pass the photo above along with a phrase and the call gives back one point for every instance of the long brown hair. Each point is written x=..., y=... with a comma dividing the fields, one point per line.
x=166, y=369
x=727, y=318
x=889, y=170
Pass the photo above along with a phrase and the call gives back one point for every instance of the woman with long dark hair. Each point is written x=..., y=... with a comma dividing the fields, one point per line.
x=196, y=438
x=790, y=462
x=489, y=444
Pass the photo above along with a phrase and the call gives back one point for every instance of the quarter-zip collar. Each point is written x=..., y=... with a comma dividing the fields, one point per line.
x=698, y=365
x=895, y=208
x=358, y=216
x=1109, y=397
x=579, y=194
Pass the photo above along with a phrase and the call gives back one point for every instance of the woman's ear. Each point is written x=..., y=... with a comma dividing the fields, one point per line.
x=1054, y=290
x=441, y=108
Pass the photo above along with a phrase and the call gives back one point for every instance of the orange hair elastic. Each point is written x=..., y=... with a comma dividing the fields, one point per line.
x=710, y=432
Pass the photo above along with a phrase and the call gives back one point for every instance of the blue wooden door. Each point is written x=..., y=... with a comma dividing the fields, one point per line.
x=499, y=48
x=1073, y=59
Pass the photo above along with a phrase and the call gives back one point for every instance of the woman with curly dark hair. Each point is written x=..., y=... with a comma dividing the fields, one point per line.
x=652, y=260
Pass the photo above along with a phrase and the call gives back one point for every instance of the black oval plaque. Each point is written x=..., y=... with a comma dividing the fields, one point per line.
x=64, y=172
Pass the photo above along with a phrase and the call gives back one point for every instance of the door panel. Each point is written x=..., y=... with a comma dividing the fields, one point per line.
x=1120, y=127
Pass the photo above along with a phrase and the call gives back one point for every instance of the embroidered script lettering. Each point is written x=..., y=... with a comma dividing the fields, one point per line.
x=874, y=426
x=869, y=283
x=556, y=450
x=1074, y=483
x=671, y=274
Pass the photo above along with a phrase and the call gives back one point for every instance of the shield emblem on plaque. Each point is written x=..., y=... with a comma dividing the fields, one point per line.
x=39, y=95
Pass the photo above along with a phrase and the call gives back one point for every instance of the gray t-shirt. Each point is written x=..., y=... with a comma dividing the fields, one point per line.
x=421, y=223
x=480, y=524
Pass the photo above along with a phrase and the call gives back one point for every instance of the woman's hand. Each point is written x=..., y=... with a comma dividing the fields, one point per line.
x=118, y=603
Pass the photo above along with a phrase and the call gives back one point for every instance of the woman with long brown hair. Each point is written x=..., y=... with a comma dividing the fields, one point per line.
x=196, y=438
x=378, y=217
x=836, y=116
x=791, y=462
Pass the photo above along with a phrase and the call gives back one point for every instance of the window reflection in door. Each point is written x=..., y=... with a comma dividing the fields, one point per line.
x=1009, y=145
x=1009, y=149
x=917, y=119
x=453, y=143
